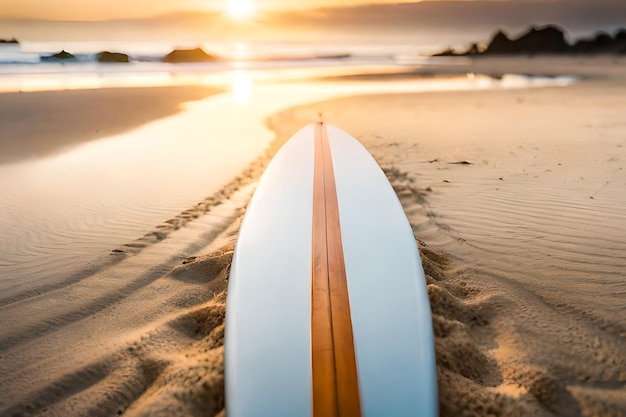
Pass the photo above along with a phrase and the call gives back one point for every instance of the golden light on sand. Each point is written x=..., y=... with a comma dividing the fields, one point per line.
x=240, y=9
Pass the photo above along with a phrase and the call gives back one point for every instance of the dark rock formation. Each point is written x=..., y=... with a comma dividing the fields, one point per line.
x=107, y=56
x=448, y=52
x=500, y=44
x=474, y=49
x=602, y=43
x=546, y=40
x=9, y=41
x=61, y=56
x=189, y=55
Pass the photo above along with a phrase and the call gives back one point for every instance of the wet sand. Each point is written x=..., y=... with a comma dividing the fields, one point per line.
x=516, y=198
x=71, y=117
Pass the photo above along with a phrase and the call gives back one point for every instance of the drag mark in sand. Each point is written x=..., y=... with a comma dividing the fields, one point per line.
x=93, y=345
x=164, y=341
x=139, y=333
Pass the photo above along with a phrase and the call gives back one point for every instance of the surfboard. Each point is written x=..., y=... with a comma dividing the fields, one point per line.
x=327, y=311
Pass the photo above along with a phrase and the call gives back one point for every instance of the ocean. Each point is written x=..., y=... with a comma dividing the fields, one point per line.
x=23, y=67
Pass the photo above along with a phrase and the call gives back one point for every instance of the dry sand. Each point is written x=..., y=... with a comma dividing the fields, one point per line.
x=517, y=199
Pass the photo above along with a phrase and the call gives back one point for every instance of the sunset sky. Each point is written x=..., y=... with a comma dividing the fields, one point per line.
x=133, y=9
x=120, y=9
x=435, y=21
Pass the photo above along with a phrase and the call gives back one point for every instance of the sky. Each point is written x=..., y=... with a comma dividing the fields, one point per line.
x=124, y=9
x=434, y=21
x=90, y=10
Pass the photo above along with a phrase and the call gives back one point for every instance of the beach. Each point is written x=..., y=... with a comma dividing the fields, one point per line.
x=517, y=199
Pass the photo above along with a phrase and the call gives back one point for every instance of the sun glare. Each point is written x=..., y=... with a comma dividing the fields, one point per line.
x=241, y=85
x=240, y=9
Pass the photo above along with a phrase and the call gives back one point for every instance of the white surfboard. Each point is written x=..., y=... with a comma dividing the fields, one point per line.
x=327, y=310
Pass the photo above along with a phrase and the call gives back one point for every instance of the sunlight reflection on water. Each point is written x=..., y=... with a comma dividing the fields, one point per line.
x=241, y=86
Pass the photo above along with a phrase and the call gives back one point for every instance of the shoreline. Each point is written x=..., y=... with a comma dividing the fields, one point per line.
x=112, y=111
x=506, y=343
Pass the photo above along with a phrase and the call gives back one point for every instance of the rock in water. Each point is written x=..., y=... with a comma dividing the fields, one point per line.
x=60, y=56
x=107, y=56
x=189, y=55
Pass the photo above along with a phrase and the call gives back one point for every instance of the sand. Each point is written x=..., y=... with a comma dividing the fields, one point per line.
x=517, y=199
x=36, y=124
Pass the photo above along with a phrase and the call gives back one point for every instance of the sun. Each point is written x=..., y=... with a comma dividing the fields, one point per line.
x=240, y=9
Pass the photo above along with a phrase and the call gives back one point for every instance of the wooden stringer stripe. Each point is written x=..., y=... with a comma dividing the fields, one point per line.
x=335, y=387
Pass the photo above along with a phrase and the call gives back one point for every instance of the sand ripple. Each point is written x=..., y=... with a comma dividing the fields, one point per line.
x=491, y=313
x=140, y=334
